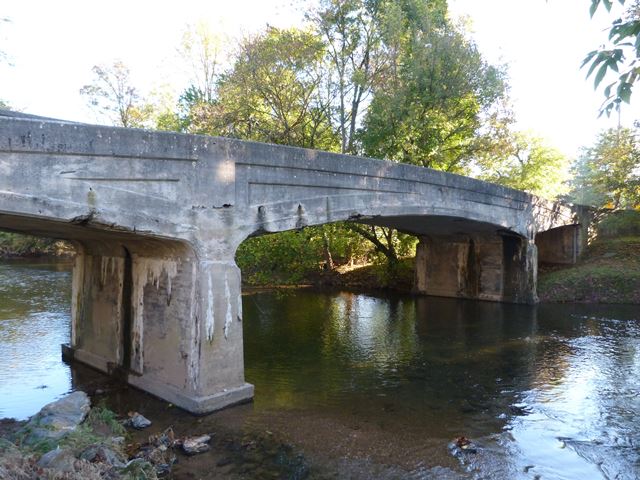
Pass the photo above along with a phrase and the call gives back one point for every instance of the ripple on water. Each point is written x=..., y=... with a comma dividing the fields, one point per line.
x=375, y=381
x=34, y=322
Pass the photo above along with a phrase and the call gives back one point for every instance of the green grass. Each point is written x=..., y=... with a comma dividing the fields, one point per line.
x=100, y=415
x=609, y=272
x=100, y=424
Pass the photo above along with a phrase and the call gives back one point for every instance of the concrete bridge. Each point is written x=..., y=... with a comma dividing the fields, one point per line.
x=157, y=217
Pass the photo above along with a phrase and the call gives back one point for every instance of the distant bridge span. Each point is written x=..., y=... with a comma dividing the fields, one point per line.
x=157, y=217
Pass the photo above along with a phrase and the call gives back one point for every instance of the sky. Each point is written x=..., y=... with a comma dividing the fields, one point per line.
x=53, y=45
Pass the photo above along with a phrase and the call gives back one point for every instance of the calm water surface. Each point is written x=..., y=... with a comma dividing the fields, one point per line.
x=382, y=384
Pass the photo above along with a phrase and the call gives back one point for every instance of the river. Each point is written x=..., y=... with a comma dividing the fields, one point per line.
x=379, y=385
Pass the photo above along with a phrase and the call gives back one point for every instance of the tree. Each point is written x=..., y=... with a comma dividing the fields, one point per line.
x=273, y=92
x=349, y=29
x=436, y=94
x=525, y=162
x=406, y=85
x=607, y=175
x=623, y=56
x=113, y=95
x=388, y=242
x=202, y=49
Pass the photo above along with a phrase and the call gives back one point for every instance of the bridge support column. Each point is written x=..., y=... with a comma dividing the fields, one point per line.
x=169, y=324
x=561, y=245
x=482, y=267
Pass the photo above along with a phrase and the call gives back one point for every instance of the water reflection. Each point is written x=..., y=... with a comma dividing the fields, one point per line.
x=551, y=390
x=547, y=390
x=34, y=321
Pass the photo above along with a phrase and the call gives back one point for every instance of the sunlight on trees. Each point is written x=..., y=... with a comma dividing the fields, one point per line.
x=113, y=96
x=607, y=174
x=525, y=162
x=389, y=79
x=202, y=49
x=621, y=57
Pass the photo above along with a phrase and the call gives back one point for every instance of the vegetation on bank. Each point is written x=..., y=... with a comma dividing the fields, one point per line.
x=609, y=270
x=18, y=245
x=608, y=273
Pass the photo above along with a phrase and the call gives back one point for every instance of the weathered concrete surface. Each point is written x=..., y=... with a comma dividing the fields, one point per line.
x=478, y=266
x=561, y=245
x=157, y=218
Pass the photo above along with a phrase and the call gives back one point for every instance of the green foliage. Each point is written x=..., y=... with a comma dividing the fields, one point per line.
x=622, y=223
x=202, y=49
x=283, y=258
x=389, y=244
x=138, y=470
x=100, y=416
x=273, y=92
x=354, y=60
x=15, y=244
x=292, y=257
x=608, y=273
x=607, y=175
x=526, y=163
x=623, y=56
x=436, y=93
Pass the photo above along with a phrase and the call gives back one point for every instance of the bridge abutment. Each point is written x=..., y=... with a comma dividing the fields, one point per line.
x=500, y=268
x=561, y=245
x=164, y=319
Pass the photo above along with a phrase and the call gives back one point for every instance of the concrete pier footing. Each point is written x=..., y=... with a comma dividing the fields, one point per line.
x=170, y=324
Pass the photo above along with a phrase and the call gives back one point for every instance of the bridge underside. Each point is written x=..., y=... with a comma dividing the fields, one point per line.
x=168, y=321
x=463, y=258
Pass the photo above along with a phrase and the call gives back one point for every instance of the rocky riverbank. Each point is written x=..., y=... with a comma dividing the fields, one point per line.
x=68, y=439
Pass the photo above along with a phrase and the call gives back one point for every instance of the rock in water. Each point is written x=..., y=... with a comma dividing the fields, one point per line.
x=193, y=445
x=56, y=419
x=138, y=421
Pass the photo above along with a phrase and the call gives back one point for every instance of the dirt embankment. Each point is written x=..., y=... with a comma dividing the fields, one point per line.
x=608, y=272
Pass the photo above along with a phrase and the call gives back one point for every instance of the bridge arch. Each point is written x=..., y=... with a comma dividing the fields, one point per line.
x=160, y=215
x=407, y=213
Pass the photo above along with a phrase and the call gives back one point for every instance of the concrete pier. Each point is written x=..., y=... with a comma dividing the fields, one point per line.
x=499, y=268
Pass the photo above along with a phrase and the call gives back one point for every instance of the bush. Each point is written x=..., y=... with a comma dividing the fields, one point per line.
x=620, y=223
x=18, y=245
